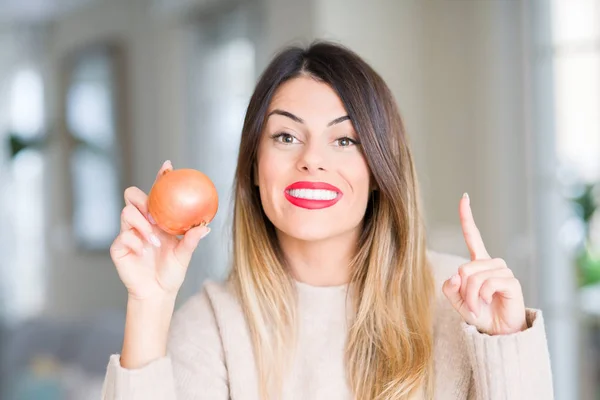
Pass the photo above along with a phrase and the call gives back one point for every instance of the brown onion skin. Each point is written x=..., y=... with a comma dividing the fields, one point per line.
x=182, y=199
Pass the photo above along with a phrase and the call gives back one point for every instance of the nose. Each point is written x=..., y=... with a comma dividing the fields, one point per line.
x=311, y=159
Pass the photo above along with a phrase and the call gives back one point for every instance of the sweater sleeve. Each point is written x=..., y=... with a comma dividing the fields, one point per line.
x=194, y=367
x=515, y=366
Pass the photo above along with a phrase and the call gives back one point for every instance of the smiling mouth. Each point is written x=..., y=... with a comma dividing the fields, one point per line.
x=312, y=195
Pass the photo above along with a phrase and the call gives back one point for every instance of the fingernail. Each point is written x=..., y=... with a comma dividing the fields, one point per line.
x=152, y=221
x=205, y=233
x=466, y=196
x=454, y=280
x=154, y=240
x=473, y=315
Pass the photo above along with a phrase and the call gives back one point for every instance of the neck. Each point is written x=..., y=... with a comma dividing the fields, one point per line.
x=323, y=262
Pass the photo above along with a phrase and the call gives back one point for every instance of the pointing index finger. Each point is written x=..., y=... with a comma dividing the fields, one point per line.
x=470, y=230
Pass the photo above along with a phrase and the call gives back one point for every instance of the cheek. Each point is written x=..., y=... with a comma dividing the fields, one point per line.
x=273, y=175
x=269, y=169
x=358, y=176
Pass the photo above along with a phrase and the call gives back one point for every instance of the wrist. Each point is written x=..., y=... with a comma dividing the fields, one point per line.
x=146, y=330
x=161, y=301
x=153, y=312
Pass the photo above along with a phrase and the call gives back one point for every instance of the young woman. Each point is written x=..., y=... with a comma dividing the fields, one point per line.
x=332, y=292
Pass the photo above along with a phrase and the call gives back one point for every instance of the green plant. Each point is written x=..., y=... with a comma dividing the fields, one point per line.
x=587, y=258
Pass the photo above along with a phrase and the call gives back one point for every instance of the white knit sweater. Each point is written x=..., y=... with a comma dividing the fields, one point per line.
x=210, y=354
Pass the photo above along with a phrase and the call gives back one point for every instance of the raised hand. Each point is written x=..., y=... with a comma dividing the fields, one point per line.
x=149, y=261
x=484, y=291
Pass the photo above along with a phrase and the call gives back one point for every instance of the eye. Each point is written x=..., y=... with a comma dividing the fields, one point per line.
x=346, y=142
x=284, y=138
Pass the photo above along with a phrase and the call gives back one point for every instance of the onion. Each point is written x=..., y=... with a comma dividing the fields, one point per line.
x=182, y=199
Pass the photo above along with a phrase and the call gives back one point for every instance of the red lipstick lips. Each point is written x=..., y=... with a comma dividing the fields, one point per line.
x=310, y=199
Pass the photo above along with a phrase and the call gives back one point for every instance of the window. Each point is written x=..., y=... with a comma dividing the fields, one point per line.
x=576, y=40
x=24, y=249
x=93, y=127
x=567, y=135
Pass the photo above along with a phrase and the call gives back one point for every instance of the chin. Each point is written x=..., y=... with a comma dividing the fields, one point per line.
x=310, y=230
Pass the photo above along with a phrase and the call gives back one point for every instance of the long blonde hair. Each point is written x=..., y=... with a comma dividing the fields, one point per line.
x=389, y=347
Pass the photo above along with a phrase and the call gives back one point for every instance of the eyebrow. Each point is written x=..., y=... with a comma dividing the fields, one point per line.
x=301, y=121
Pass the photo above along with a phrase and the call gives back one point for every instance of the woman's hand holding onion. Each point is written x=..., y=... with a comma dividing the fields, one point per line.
x=152, y=258
x=151, y=262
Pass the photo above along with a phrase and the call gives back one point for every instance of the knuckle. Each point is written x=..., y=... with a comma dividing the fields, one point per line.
x=114, y=244
x=463, y=269
x=500, y=262
x=473, y=301
x=484, y=288
x=487, y=285
x=130, y=191
x=127, y=211
x=517, y=283
x=473, y=280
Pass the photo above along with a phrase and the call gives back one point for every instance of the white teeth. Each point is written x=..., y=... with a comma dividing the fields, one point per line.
x=312, y=194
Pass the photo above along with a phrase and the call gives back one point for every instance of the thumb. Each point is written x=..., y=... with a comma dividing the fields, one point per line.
x=186, y=246
x=451, y=289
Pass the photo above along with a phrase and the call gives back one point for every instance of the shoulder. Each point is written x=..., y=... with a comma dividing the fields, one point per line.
x=203, y=305
x=446, y=320
x=451, y=362
x=443, y=266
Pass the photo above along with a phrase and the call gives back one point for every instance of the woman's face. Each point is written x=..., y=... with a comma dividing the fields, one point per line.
x=313, y=178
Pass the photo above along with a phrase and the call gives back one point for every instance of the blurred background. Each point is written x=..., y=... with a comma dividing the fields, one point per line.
x=500, y=99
